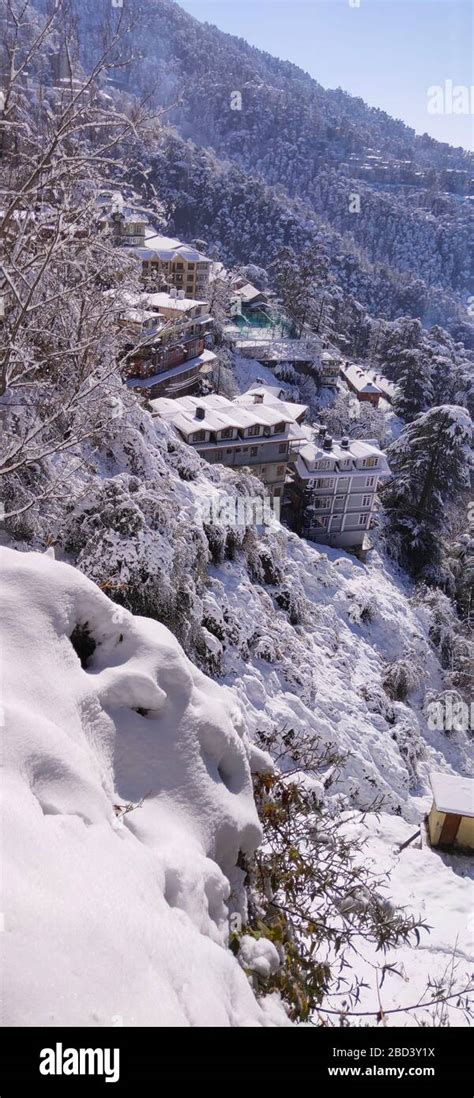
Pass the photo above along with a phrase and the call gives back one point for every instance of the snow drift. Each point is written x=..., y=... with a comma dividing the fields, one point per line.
x=117, y=917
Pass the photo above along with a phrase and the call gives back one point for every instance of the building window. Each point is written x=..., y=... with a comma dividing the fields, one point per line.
x=198, y=436
x=228, y=451
x=338, y=500
x=320, y=483
x=280, y=470
x=282, y=448
x=366, y=500
x=362, y=520
x=226, y=433
x=255, y=430
x=369, y=482
x=322, y=504
x=278, y=428
x=253, y=451
x=370, y=462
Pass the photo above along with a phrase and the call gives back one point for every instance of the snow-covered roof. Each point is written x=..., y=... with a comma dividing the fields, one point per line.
x=137, y=315
x=383, y=383
x=165, y=300
x=221, y=413
x=116, y=204
x=248, y=293
x=453, y=793
x=313, y=451
x=168, y=248
x=268, y=392
x=359, y=379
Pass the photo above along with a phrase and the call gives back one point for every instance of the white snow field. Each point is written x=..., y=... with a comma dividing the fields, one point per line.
x=124, y=920
x=117, y=919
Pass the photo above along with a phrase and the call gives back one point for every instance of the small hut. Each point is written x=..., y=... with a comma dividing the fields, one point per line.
x=451, y=819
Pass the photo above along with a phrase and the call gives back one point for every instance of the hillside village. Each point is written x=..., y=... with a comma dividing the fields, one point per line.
x=237, y=540
x=315, y=483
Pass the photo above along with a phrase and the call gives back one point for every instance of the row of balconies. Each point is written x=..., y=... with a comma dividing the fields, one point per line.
x=164, y=359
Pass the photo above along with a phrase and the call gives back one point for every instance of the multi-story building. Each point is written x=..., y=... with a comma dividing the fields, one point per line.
x=256, y=430
x=333, y=488
x=168, y=262
x=165, y=261
x=128, y=226
x=330, y=368
x=168, y=353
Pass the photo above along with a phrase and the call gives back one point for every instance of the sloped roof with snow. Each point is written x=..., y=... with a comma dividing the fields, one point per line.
x=453, y=793
x=164, y=300
x=359, y=379
x=221, y=413
x=312, y=451
x=168, y=248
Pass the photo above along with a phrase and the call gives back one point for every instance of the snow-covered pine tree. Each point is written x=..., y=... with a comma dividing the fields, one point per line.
x=415, y=392
x=431, y=462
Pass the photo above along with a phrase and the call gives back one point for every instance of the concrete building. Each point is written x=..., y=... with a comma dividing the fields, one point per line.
x=256, y=430
x=330, y=369
x=168, y=262
x=165, y=261
x=168, y=355
x=128, y=225
x=332, y=491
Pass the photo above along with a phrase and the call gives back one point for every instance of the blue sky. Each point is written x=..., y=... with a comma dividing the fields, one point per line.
x=390, y=52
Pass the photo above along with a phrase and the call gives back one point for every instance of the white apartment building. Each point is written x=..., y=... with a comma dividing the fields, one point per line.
x=333, y=489
x=256, y=430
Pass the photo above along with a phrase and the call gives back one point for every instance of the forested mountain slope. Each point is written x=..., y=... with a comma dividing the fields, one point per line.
x=301, y=149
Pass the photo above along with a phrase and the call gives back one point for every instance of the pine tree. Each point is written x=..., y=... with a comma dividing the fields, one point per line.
x=431, y=461
x=415, y=393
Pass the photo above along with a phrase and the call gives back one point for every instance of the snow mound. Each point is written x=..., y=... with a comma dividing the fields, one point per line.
x=128, y=799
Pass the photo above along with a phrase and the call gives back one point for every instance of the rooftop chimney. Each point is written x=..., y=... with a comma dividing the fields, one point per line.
x=345, y=443
x=200, y=412
x=327, y=443
x=322, y=431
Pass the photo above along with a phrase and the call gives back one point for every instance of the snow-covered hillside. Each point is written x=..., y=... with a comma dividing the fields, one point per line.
x=309, y=639
x=116, y=917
